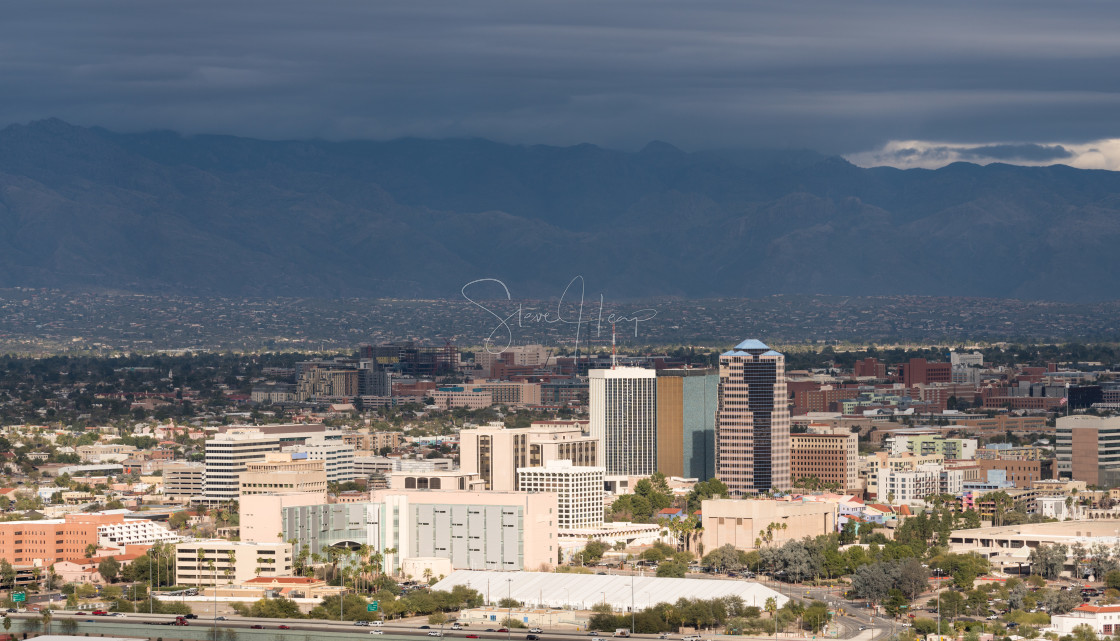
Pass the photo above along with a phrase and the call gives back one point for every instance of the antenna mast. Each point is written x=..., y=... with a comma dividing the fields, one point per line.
x=614, y=356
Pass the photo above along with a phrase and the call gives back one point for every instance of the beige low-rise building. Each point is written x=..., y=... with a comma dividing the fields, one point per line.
x=217, y=562
x=283, y=472
x=743, y=522
x=1010, y=545
x=183, y=481
x=435, y=480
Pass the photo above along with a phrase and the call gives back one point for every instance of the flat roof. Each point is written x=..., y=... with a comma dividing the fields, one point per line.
x=582, y=591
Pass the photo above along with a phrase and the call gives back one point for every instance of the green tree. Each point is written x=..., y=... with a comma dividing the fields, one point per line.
x=1048, y=561
x=592, y=552
x=671, y=569
x=109, y=569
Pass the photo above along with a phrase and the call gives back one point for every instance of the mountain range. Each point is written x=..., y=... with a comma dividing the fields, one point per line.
x=89, y=209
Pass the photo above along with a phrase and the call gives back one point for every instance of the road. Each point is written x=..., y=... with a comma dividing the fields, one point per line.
x=847, y=626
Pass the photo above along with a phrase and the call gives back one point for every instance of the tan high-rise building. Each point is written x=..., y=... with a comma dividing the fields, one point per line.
x=1088, y=449
x=830, y=457
x=494, y=452
x=752, y=420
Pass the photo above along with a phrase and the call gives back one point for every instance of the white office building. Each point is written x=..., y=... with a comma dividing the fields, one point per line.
x=338, y=457
x=226, y=456
x=623, y=413
x=579, y=491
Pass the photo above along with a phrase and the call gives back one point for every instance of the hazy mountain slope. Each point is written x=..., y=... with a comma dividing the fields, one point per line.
x=88, y=208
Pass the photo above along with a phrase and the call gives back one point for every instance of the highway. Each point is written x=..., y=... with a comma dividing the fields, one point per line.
x=845, y=626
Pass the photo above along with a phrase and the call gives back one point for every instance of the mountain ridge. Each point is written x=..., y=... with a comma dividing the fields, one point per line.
x=155, y=212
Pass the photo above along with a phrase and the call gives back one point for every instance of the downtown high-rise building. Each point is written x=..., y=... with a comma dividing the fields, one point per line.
x=686, y=422
x=752, y=420
x=623, y=412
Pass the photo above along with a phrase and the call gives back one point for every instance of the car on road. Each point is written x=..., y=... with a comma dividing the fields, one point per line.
x=99, y=613
x=435, y=633
x=222, y=619
x=425, y=627
x=503, y=629
x=283, y=627
x=489, y=629
x=691, y=637
x=256, y=626
x=456, y=626
x=361, y=623
x=532, y=637
x=536, y=630
x=473, y=636
x=190, y=616
x=377, y=632
x=664, y=635
x=597, y=639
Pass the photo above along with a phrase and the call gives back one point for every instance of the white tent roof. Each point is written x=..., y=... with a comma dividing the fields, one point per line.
x=581, y=591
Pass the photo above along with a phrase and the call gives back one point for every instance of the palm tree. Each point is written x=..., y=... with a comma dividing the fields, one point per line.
x=375, y=561
x=47, y=619
x=231, y=561
x=198, y=566
x=771, y=606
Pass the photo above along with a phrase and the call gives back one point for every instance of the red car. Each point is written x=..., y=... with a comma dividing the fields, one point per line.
x=503, y=629
x=283, y=627
x=100, y=613
x=473, y=636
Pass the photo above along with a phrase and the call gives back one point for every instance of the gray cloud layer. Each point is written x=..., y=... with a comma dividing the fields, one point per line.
x=835, y=76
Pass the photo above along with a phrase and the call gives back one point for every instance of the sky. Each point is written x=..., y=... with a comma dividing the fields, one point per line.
x=900, y=82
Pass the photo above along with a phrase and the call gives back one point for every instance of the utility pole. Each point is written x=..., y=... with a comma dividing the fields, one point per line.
x=631, y=567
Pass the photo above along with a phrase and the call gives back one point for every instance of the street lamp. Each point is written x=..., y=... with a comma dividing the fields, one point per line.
x=509, y=608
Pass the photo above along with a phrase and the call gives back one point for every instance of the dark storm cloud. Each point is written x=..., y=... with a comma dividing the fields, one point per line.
x=836, y=76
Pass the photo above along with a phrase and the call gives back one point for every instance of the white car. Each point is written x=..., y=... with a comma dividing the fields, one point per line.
x=434, y=633
x=116, y=614
x=536, y=630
